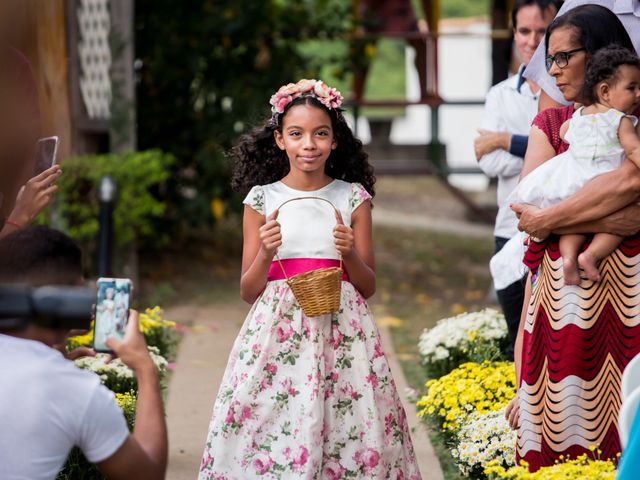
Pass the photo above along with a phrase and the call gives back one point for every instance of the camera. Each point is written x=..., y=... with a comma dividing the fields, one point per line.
x=57, y=307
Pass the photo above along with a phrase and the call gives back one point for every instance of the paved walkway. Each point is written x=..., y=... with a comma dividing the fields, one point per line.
x=199, y=368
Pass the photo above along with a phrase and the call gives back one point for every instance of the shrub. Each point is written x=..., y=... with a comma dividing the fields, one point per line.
x=472, y=387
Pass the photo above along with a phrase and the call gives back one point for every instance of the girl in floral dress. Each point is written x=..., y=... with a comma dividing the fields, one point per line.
x=306, y=397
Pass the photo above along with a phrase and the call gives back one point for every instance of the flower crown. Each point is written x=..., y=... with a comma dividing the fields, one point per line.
x=329, y=97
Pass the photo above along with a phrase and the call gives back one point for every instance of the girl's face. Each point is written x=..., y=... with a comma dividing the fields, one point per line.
x=568, y=79
x=307, y=137
x=624, y=91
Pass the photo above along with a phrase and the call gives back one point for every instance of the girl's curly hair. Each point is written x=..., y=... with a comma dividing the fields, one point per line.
x=603, y=66
x=259, y=161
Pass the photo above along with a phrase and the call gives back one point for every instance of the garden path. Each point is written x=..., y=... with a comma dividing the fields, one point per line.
x=199, y=368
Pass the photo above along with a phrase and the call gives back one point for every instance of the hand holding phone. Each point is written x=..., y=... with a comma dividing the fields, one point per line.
x=46, y=150
x=112, y=311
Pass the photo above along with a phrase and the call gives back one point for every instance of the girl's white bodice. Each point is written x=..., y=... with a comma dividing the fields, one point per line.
x=307, y=225
x=595, y=136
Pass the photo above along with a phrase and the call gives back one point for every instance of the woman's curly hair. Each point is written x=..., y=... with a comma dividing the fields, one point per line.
x=259, y=161
x=603, y=66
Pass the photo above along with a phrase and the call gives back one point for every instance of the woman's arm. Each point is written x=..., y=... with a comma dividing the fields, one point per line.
x=260, y=244
x=605, y=194
x=512, y=413
x=539, y=150
x=355, y=244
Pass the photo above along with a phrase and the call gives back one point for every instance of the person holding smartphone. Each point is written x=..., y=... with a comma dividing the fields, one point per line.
x=47, y=404
x=39, y=191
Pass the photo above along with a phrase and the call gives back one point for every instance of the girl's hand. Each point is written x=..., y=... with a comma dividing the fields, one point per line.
x=35, y=195
x=512, y=413
x=270, y=236
x=343, y=235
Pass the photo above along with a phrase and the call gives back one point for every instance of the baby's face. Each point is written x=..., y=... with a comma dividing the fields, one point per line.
x=625, y=92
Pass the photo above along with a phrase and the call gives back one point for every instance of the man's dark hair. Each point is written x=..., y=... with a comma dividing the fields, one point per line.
x=543, y=5
x=39, y=256
x=603, y=67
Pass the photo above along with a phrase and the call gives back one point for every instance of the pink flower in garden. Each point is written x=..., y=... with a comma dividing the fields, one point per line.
x=284, y=332
x=271, y=368
x=372, y=379
x=262, y=463
x=332, y=470
x=303, y=456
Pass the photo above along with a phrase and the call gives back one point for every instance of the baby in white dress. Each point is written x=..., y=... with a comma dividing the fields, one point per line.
x=600, y=136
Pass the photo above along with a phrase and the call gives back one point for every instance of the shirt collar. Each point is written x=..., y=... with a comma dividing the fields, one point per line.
x=521, y=78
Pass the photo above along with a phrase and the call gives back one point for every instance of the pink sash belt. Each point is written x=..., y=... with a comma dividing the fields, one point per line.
x=294, y=266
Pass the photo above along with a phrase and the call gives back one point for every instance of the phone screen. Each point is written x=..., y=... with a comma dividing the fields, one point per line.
x=45, y=154
x=112, y=311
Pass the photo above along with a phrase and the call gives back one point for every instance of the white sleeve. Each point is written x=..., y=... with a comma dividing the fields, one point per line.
x=499, y=162
x=103, y=428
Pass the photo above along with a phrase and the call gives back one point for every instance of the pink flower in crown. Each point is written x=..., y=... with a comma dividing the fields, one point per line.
x=289, y=88
x=302, y=457
x=279, y=102
x=262, y=463
x=306, y=86
x=333, y=470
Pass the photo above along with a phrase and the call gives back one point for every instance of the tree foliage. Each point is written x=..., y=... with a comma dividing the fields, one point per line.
x=208, y=69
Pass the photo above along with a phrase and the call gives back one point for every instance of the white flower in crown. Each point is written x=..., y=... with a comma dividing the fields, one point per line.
x=329, y=97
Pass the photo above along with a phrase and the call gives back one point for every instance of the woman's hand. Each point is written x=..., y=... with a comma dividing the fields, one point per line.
x=35, y=195
x=270, y=236
x=512, y=413
x=532, y=220
x=343, y=235
x=489, y=141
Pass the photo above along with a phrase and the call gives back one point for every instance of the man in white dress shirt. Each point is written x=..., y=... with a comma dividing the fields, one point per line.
x=509, y=109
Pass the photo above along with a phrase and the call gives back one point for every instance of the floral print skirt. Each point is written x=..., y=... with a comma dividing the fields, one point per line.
x=308, y=398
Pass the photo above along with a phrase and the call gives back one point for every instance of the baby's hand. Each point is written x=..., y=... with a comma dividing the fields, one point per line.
x=343, y=236
x=270, y=236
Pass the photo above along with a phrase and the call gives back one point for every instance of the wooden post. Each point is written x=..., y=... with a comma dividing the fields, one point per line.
x=500, y=47
x=46, y=48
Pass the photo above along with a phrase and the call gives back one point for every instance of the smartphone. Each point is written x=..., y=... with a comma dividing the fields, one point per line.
x=112, y=311
x=46, y=150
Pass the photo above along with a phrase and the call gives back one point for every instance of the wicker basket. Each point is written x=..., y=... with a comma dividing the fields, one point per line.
x=317, y=291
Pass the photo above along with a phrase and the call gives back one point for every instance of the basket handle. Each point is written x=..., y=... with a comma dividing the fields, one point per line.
x=303, y=198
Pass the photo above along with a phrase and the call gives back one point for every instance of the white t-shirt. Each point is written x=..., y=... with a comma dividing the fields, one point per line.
x=510, y=109
x=628, y=11
x=47, y=406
